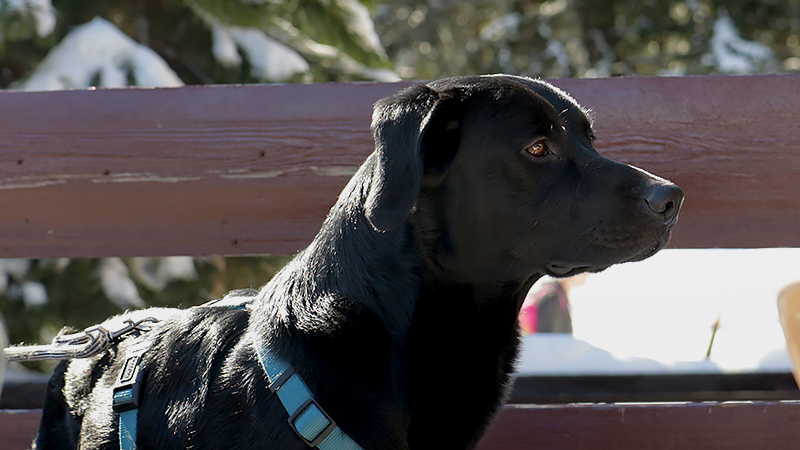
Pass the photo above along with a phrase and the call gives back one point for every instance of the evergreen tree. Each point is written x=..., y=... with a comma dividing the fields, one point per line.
x=207, y=41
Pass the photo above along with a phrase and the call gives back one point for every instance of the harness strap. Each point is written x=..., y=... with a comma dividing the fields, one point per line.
x=128, y=421
x=306, y=417
x=128, y=394
x=128, y=389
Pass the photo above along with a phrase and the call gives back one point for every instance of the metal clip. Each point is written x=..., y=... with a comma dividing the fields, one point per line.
x=85, y=344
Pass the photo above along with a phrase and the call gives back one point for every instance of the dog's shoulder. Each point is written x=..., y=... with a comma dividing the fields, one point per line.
x=194, y=338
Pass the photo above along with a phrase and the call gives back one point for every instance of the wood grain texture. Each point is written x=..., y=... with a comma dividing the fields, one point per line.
x=691, y=426
x=253, y=169
x=18, y=428
x=195, y=171
x=732, y=144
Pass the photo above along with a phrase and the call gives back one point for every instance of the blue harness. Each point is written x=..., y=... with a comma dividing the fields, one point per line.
x=128, y=394
x=306, y=417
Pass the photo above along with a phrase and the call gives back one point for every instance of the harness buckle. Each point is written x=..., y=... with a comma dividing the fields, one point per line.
x=128, y=389
x=308, y=422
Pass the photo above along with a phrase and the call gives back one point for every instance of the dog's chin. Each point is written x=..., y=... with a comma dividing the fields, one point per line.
x=563, y=269
x=558, y=269
x=652, y=249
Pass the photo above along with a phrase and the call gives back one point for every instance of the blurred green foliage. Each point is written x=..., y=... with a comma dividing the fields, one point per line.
x=580, y=38
x=76, y=299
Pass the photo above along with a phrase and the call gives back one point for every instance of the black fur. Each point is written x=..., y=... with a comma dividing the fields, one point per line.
x=402, y=313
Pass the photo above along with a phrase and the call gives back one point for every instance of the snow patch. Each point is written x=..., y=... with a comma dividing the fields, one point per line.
x=501, y=27
x=622, y=325
x=270, y=60
x=361, y=24
x=34, y=294
x=117, y=284
x=12, y=267
x=381, y=75
x=224, y=46
x=732, y=54
x=554, y=47
x=3, y=344
x=562, y=354
x=100, y=48
x=42, y=11
x=156, y=273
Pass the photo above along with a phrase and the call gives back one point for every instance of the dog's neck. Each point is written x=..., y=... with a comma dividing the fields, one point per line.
x=352, y=277
x=384, y=270
x=348, y=260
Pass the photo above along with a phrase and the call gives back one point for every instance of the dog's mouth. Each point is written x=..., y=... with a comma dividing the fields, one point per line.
x=562, y=269
x=653, y=249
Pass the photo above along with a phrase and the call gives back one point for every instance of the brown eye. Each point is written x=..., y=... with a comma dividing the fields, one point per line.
x=539, y=149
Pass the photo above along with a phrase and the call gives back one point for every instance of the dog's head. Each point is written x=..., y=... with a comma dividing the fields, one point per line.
x=498, y=177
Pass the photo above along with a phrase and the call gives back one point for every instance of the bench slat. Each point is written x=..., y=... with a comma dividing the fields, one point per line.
x=692, y=426
x=18, y=428
x=238, y=170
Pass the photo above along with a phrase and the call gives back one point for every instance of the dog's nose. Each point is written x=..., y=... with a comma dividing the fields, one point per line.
x=665, y=200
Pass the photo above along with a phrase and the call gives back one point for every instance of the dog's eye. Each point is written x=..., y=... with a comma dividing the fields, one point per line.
x=538, y=149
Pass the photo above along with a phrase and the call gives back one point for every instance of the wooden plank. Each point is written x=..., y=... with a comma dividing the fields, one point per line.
x=692, y=426
x=18, y=428
x=253, y=169
x=641, y=388
x=29, y=392
x=729, y=142
x=196, y=170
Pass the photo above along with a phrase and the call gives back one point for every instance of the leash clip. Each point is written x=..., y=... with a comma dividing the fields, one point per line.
x=84, y=344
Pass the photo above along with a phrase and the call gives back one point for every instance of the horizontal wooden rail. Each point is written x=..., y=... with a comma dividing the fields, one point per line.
x=253, y=169
x=18, y=428
x=691, y=426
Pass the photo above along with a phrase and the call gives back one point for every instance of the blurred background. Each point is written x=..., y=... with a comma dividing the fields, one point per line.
x=76, y=44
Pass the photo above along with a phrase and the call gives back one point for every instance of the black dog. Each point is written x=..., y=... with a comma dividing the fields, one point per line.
x=401, y=316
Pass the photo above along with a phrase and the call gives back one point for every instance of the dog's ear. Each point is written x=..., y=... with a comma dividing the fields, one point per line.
x=416, y=135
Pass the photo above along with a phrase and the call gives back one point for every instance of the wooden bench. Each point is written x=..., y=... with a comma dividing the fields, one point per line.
x=241, y=170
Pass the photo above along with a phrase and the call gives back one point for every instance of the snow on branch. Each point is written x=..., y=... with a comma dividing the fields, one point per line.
x=44, y=15
x=269, y=59
x=285, y=32
x=732, y=54
x=99, y=51
x=360, y=24
x=282, y=51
